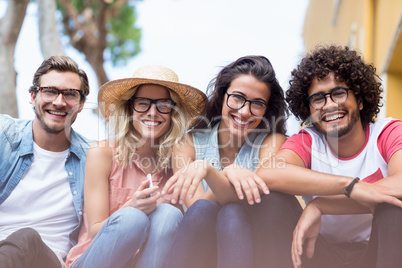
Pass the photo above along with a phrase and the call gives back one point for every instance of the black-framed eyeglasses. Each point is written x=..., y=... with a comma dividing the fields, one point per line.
x=70, y=95
x=142, y=105
x=338, y=95
x=236, y=102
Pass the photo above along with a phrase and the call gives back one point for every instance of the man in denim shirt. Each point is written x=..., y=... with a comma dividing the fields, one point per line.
x=42, y=164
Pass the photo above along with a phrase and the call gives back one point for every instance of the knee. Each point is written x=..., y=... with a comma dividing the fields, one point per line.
x=278, y=199
x=388, y=214
x=165, y=220
x=203, y=209
x=125, y=219
x=30, y=237
x=279, y=202
x=231, y=210
x=232, y=216
x=166, y=213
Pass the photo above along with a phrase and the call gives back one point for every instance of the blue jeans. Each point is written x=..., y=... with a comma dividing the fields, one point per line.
x=194, y=244
x=234, y=232
x=230, y=236
x=128, y=230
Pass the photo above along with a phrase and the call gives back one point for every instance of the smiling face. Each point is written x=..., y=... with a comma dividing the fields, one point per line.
x=151, y=124
x=334, y=120
x=241, y=122
x=57, y=116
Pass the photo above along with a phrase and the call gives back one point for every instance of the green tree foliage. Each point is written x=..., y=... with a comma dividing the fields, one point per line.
x=124, y=41
x=102, y=30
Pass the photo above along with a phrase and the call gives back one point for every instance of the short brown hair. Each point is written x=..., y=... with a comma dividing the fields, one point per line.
x=62, y=64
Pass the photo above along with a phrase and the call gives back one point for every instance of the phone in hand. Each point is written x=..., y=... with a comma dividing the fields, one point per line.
x=149, y=178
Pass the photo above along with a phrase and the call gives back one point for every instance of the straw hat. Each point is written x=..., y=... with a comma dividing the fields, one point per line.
x=192, y=99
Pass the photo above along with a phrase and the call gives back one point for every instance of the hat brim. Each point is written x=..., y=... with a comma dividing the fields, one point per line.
x=193, y=99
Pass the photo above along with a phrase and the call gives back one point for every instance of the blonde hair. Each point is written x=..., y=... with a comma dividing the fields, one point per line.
x=127, y=140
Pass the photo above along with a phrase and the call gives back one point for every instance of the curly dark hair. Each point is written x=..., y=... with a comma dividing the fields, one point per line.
x=261, y=68
x=348, y=67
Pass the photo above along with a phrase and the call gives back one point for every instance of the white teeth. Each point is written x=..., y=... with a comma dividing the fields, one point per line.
x=240, y=122
x=151, y=123
x=57, y=113
x=333, y=117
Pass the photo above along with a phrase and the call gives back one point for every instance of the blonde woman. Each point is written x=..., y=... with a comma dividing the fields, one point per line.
x=126, y=220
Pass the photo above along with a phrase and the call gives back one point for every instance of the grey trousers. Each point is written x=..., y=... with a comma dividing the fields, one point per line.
x=382, y=251
x=25, y=248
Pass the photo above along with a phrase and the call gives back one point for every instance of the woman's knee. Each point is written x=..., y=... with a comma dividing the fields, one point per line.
x=126, y=219
x=166, y=213
x=164, y=221
x=203, y=209
x=232, y=210
x=279, y=200
x=233, y=217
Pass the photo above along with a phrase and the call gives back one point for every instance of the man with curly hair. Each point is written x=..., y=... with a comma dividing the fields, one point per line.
x=346, y=164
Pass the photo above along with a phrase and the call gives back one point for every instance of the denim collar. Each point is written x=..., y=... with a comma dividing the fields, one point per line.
x=26, y=148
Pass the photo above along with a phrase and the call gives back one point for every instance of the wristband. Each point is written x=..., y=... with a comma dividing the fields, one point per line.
x=348, y=189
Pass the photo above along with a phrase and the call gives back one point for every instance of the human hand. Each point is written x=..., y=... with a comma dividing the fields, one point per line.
x=185, y=181
x=370, y=194
x=307, y=228
x=142, y=198
x=245, y=182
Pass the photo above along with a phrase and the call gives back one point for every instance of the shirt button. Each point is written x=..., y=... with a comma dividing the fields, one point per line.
x=80, y=212
x=71, y=174
x=75, y=192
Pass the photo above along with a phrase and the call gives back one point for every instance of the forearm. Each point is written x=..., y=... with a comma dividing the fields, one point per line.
x=208, y=195
x=95, y=228
x=291, y=179
x=338, y=205
x=392, y=182
x=221, y=187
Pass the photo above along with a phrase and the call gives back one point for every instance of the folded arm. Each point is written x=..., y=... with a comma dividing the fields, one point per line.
x=286, y=173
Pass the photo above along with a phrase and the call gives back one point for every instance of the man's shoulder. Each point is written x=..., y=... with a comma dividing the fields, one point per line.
x=7, y=121
x=386, y=120
x=384, y=124
x=12, y=128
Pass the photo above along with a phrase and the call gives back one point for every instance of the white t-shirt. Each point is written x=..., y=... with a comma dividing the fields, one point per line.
x=43, y=201
x=370, y=164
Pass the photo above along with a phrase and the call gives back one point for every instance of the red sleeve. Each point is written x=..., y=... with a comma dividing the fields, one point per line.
x=390, y=139
x=300, y=144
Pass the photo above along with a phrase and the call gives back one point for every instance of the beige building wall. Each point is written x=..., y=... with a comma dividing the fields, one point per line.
x=371, y=26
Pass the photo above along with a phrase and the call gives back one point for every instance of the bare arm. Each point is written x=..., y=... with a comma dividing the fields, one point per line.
x=394, y=179
x=96, y=189
x=343, y=205
x=248, y=183
x=286, y=173
x=185, y=184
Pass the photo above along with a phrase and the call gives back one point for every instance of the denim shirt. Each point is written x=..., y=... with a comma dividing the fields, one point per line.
x=207, y=148
x=16, y=155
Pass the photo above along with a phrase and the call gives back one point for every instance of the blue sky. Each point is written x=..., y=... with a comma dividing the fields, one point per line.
x=192, y=37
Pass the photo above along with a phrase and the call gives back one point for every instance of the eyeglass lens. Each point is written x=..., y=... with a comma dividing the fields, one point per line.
x=236, y=102
x=163, y=106
x=338, y=95
x=50, y=94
